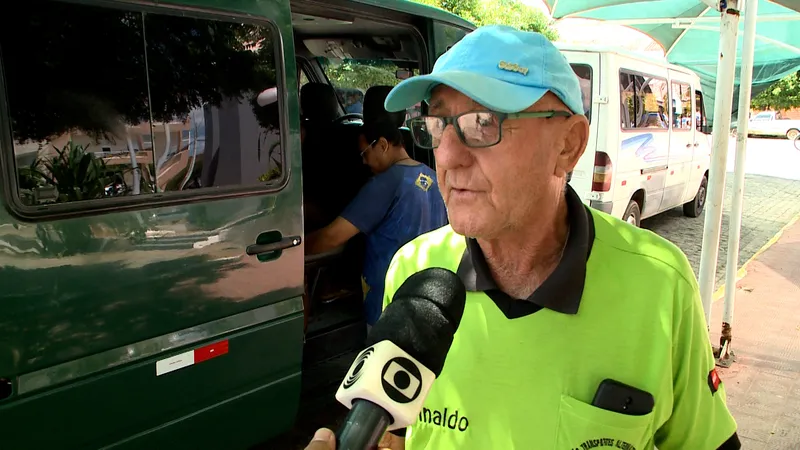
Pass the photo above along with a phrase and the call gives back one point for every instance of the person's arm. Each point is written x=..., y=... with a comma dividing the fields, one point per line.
x=336, y=234
x=700, y=418
x=363, y=214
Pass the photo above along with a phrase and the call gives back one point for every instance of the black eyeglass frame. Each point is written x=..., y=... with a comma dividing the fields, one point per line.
x=367, y=148
x=501, y=117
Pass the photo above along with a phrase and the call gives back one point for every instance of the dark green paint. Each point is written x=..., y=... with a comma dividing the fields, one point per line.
x=80, y=286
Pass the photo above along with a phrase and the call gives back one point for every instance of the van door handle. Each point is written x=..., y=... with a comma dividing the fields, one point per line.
x=282, y=244
x=689, y=145
x=697, y=144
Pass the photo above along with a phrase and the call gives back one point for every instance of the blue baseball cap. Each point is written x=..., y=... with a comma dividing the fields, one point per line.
x=500, y=67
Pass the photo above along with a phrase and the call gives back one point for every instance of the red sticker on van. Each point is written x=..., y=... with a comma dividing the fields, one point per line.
x=210, y=351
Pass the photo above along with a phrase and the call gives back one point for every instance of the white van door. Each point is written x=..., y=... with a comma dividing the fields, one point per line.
x=644, y=139
x=682, y=141
x=587, y=67
x=701, y=157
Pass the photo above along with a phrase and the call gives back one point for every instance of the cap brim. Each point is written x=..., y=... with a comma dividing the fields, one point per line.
x=490, y=92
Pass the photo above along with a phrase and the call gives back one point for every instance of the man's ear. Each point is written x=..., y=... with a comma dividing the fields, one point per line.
x=384, y=144
x=575, y=142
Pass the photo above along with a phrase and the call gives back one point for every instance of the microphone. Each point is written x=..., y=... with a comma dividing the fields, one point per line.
x=388, y=381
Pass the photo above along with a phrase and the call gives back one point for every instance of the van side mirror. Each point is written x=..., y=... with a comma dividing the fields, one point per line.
x=403, y=74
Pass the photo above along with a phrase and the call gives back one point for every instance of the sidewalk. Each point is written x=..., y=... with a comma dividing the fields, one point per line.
x=763, y=385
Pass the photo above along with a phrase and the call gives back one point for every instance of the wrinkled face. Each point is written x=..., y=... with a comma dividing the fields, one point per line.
x=373, y=154
x=489, y=191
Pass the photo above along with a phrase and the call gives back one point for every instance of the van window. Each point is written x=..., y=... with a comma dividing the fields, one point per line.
x=643, y=100
x=764, y=116
x=160, y=103
x=681, y=99
x=700, y=112
x=351, y=78
x=445, y=36
x=584, y=73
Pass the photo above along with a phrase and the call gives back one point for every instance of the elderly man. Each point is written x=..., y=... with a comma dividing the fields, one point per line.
x=580, y=331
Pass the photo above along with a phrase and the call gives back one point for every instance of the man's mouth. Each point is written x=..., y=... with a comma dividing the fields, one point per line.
x=462, y=193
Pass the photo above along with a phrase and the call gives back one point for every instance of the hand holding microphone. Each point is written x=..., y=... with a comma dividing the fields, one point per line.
x=323, y=439
x=386, y=386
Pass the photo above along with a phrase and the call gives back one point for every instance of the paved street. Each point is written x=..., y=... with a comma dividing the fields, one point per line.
x=763, y=387
x=771, y=200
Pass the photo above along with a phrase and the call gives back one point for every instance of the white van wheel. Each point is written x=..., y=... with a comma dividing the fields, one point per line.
x=695, y=207
x=793, y=134
x=633, y=214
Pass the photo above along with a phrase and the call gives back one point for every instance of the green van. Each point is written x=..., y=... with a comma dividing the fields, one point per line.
x=154, y=291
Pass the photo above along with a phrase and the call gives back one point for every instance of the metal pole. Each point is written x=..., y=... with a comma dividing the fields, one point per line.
x=735, y=228
x=726, y=66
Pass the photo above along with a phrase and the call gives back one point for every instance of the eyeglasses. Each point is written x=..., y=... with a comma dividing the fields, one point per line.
x=476, y=129
x=367, y=148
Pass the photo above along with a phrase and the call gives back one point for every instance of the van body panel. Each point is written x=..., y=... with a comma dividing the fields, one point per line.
x=134, y=400
x=92, y=300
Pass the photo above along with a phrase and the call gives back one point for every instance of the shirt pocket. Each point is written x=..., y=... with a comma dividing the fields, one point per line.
x=581, y=425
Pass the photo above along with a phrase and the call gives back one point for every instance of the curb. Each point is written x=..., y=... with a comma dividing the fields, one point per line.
x=720, y=293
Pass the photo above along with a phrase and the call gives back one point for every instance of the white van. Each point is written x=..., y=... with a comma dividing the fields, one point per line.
x=649, y=149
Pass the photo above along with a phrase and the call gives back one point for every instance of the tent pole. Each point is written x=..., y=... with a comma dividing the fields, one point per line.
x=726, y=357
x=726, y=67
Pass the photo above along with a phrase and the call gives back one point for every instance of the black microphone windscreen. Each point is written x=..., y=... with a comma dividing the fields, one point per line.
x=423, y=316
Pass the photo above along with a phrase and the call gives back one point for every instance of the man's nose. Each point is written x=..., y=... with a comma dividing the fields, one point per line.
x=451, y=152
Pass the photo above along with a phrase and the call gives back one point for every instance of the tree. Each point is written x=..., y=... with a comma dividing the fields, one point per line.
x=498, y=12
x=351, y=74
x=783, y=94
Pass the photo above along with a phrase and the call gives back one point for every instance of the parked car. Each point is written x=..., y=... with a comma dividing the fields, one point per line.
x=180, y=314
x=770, y=123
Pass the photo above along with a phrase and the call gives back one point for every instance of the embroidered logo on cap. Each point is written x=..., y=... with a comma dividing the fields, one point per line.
x=713, y=381
x=511, y=67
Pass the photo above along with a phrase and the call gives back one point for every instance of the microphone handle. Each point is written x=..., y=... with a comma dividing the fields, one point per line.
x=363, y=427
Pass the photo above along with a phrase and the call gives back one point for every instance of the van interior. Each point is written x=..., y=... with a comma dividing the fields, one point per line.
x=333, y=171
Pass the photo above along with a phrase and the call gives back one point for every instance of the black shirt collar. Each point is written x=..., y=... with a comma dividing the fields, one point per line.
x=561, y=291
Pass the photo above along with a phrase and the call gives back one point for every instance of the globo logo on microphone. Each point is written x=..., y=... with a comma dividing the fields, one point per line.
x=402, y=380
x=387, y=376
x=358, y=367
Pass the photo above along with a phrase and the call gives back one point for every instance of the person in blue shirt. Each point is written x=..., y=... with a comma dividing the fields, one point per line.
x=401, y=202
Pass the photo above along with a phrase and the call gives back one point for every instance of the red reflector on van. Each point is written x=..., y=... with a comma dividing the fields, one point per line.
x=601, y=179
x=210, y=351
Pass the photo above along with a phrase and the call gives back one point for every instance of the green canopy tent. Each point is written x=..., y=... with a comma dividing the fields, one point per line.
x=703, y=35
x=688, y=30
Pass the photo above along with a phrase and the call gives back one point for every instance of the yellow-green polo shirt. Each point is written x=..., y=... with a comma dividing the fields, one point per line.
x=521, y=374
